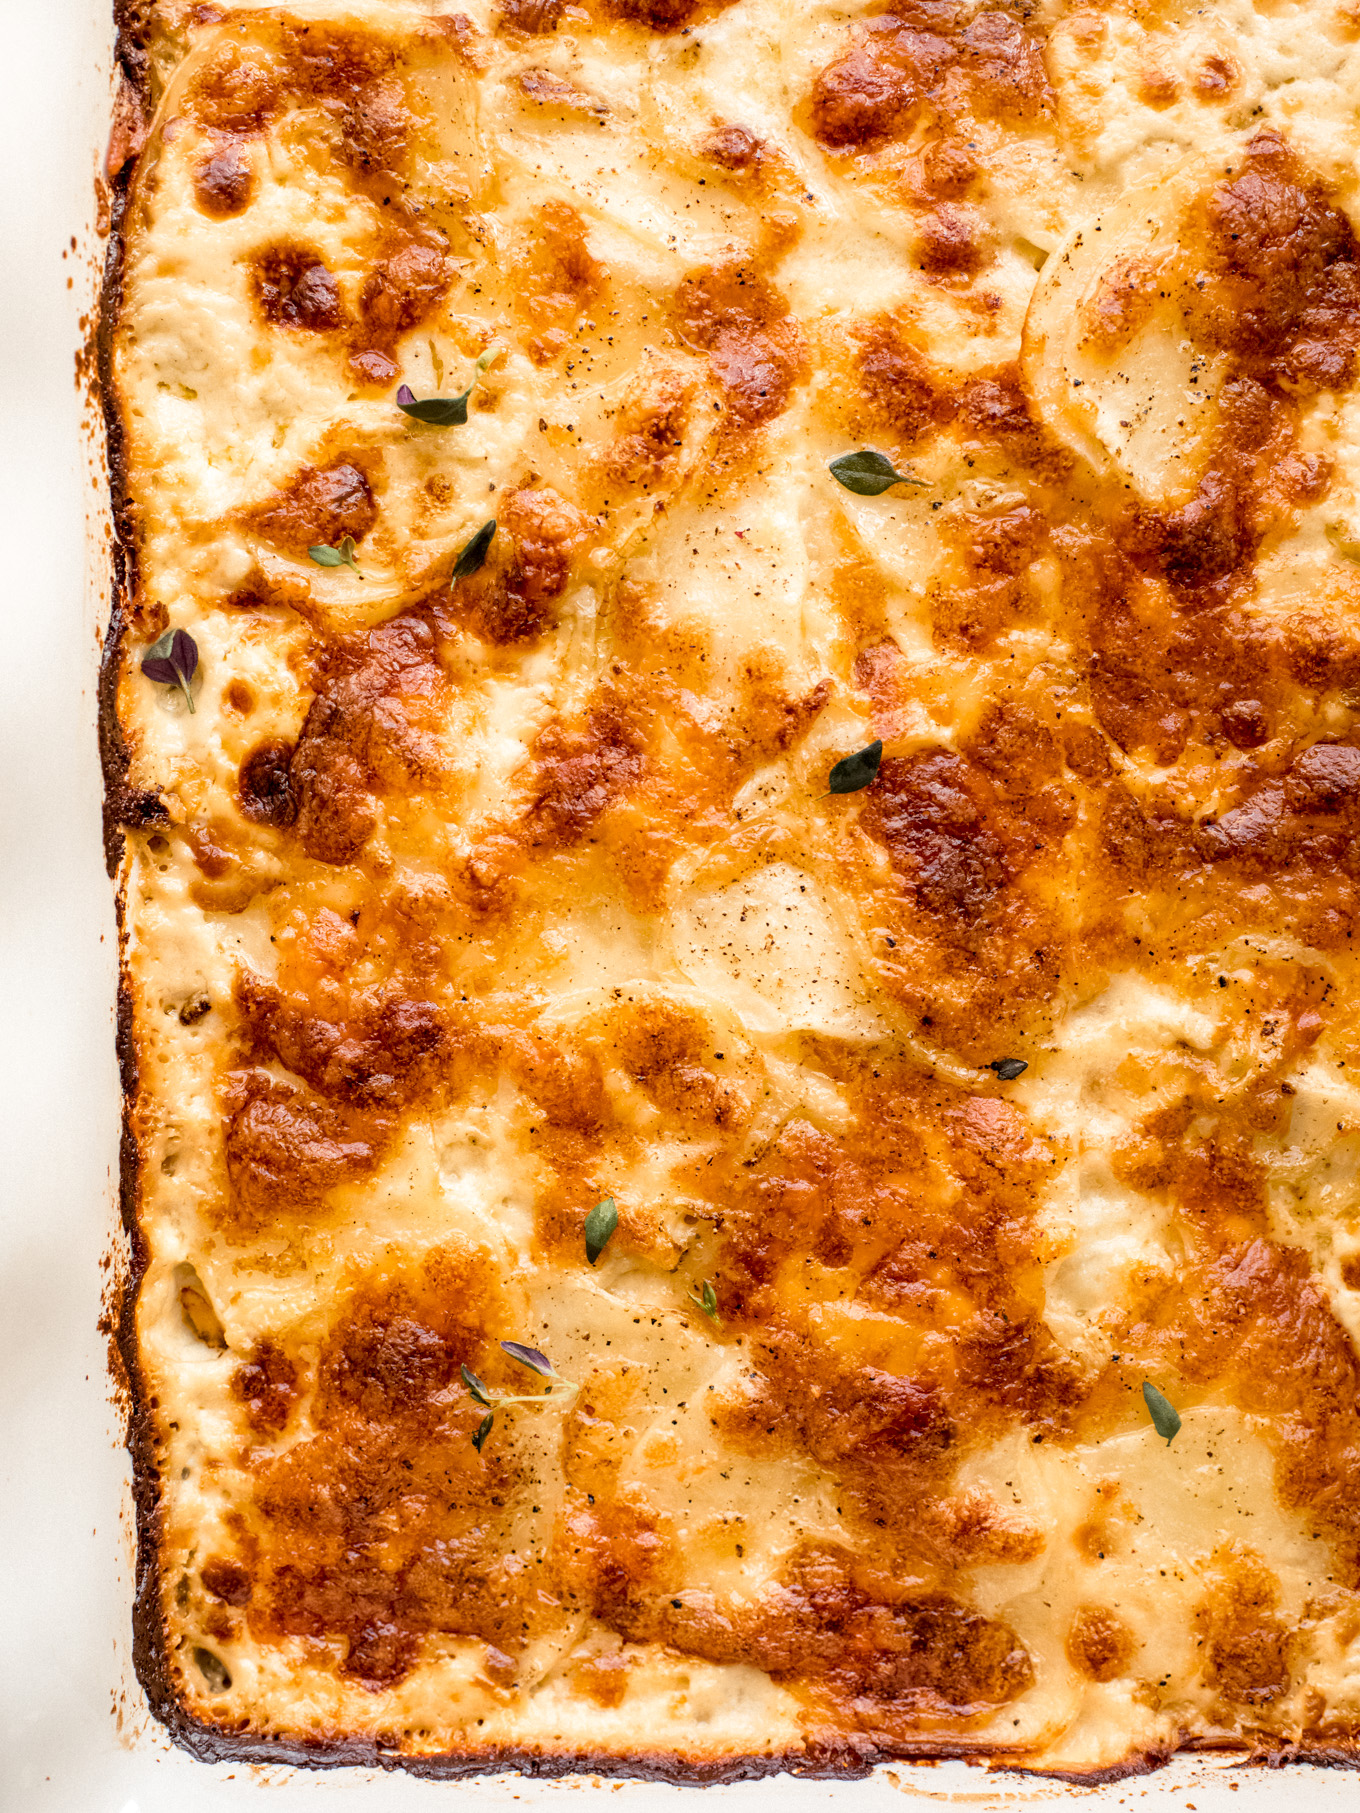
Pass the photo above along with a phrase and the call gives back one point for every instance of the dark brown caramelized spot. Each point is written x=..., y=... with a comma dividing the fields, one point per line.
x=1125, y=298
x=756, y=349
x=1098, y=1643
x=926, y=1209
x=900, y=387
x=559, y=279
x=536, y=18
x=225, y=180
x=242, y=87
x=403, y=289
x=227, y=1580
x=376, y=126
x=1284, y=279
x=1161, y=676
x=293, y=288
x=1248, y=1643
x=316, y=508
x=662, y=1047
x=975, y=838
x=264, y=788
x=385, y=1526
x=857, y=1641
x=579, y=774
x=546, y=531
x=650, y=434
x=733, y=148
x=1004, y=64
x=236, y=90
x=1288, y=844
x=373, y=724
x=941, y=824
x=266, y=1383
x=378, y=1048
x=661, y=16
x=929, y=59
x=858, y=100
x=286, y=1149
x=1216, y=77
x=950, y=242
x=949, y=169
x=905, y=395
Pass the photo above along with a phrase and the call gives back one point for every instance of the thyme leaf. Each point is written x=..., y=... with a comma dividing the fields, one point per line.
x=706, y=1299
x=1008, y=1068
x=854, y=772
x=172, y=660
x=478, y=1390
x=1165, y=1417
x=599, y=1227
x=343, y=556
x=868, y=474
x=474, y=554
x=482, y=1430
x=530, y=1357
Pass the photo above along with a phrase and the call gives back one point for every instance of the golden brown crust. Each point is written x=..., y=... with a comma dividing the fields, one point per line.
x=459, y=904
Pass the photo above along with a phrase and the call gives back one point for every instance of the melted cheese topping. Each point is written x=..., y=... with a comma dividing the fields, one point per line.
x=461, y=901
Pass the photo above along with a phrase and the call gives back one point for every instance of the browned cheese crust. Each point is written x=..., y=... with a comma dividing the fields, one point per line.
x=468, y=896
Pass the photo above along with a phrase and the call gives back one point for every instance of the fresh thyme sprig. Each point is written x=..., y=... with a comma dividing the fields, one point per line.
x=445, y=412
x=493, y=1400
x=704, y=1297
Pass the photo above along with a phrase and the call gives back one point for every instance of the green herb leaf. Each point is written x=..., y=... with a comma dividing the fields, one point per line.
x=482, y=1430
x=599, y=1229
x=435, y=412
x=530, y=1357
x=477, y=1389
x=172, y=660
x=444, y=412
x=855, y=771
x=706, y=1299
x=868, y=474
x=343, y=556
x=1007, y=1068
x=1165, y=1418
x=471, y=559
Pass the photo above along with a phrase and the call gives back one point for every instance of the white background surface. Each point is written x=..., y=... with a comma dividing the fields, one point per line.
x=74, y=1736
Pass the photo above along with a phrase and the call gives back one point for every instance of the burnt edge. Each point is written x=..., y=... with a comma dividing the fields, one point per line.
x=124, y=806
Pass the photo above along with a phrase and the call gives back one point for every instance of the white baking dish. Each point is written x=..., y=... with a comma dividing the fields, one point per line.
x=74, y=1733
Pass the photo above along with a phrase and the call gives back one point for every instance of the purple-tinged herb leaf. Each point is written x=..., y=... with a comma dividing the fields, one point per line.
x=482, y=1430
x=343, y=556
x=172, y=660
x=599, y=1227
x=474, y=555
x=476, y=1387
x=443, y=412
x=435, y=412
x=530, y=1357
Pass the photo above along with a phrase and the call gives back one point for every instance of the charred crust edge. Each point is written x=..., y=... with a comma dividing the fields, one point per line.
x=123, y=805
